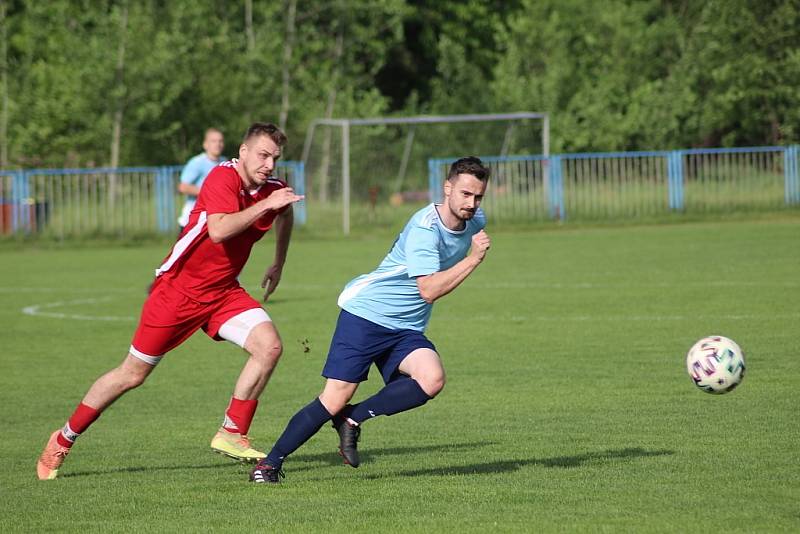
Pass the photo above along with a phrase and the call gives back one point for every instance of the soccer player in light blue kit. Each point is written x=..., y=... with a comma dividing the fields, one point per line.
x=383, y=319
x=196, y=169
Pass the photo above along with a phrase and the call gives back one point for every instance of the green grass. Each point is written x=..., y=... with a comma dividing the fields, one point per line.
x=567, y=407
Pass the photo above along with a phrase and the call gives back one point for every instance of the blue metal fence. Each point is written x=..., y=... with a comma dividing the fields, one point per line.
x=112, y=202
x=634, y=184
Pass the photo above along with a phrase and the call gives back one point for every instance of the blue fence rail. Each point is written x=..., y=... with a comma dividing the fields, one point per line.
x=113, y=202
x=634, y=184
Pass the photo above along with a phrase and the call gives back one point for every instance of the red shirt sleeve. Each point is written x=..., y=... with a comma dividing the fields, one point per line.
x=220, y=191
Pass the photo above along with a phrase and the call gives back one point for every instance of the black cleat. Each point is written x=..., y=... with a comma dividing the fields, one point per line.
x=348, y=441
x=263, y=473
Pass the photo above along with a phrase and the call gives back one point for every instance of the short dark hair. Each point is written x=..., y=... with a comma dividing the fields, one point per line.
x=469, y=165
x=265, y=128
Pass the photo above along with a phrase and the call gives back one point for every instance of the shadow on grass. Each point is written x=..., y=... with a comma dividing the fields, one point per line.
x=150, y=468
x=368, y=454
x=505, y=466
x=330, y=458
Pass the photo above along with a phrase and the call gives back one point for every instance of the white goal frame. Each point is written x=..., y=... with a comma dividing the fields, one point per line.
x=345, y=125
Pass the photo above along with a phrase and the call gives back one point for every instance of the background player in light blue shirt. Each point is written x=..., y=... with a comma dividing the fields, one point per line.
x=196, y=169
x=383, y=319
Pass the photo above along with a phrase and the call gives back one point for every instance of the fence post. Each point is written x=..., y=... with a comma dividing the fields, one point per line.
x=434, y=180
x=555, y=184
x=163, y=192
x=790, y=175
x=20, y=207
x=299, y=187
x=675, y=179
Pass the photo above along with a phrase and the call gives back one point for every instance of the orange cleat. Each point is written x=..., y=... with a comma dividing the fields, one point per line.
x=51, y=459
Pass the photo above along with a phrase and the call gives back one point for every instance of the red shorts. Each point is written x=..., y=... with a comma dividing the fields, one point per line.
x=169, y=317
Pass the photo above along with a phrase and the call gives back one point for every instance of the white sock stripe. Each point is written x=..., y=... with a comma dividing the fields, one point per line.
x=146, y=358
x=68, y=433
x=227, y=422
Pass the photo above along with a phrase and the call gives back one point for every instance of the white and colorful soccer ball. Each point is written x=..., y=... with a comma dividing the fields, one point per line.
x=715, y=364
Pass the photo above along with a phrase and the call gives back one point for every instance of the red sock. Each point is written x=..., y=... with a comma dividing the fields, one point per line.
x=239, y=415
x=81, y=419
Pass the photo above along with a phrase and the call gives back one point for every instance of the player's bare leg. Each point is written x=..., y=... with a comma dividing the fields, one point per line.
x=425, y=366
x=105, y=390
x=264, y=346
x=265, y=349
x=336, y=394
x=109, y=387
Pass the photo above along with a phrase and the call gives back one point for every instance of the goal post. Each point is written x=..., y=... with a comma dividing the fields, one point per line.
x=346, y=124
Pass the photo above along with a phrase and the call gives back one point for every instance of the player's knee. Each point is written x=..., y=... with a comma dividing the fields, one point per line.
x=334, y=404
x=335, y=397
x=432, y=384
x=269, y=353
x=130, y=379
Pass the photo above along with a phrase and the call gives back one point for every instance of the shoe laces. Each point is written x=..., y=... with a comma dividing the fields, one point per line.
x=244, y=441
x=53, y=459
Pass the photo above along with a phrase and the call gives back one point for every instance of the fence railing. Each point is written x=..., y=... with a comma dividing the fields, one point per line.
x=634, y=184
x=125, y=201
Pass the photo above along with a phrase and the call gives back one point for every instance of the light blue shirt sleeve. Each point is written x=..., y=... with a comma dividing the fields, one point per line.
x=422, y=251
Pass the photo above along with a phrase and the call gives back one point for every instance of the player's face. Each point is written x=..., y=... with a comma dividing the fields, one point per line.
x=213, y=144
x=258, y=158
x=464, y=195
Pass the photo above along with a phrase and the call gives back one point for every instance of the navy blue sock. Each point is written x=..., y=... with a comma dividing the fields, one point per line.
x=403, y=394
x=300, y=428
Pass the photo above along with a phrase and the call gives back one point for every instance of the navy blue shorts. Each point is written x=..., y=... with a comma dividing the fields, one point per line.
x=357, y=343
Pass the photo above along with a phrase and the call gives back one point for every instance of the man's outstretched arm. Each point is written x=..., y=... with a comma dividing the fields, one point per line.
x=223, y=226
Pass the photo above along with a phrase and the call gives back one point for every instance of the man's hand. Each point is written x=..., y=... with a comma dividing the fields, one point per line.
x=271, y=279
x=281, y=198
x=480, y=244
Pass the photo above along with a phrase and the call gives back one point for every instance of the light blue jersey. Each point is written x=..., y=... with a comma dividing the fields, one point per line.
x=194, y=173
x=389, y=295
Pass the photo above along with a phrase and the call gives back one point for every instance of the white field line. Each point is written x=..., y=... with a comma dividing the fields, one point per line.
x=36, y=310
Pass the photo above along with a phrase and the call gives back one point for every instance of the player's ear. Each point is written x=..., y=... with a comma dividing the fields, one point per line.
x=242, y=150
x=448, y=188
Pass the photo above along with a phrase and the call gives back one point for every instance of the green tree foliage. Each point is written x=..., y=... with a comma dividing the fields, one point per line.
x=626, y=74
x=615, y=75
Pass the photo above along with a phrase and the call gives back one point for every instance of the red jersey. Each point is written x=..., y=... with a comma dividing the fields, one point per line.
x=198, y=267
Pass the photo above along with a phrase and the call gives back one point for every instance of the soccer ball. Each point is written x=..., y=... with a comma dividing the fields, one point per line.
x=716, y=364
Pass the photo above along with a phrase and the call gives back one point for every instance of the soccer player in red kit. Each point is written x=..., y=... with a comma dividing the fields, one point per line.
x=197, y=287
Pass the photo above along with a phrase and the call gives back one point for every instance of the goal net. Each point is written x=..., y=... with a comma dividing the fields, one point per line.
x=358, y=171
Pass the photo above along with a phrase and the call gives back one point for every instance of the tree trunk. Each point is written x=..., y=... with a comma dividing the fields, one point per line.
x=288, y=44
x=248, y=25
x=324, y=174
x=116, y=135
x=3, y=87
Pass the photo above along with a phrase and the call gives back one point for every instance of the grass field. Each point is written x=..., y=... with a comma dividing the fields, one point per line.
x=567, y=407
